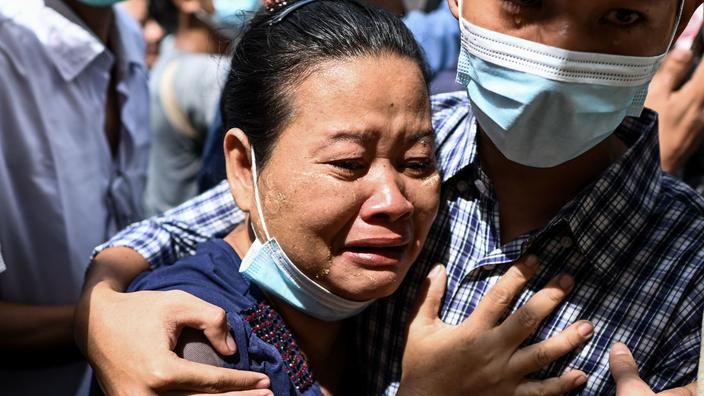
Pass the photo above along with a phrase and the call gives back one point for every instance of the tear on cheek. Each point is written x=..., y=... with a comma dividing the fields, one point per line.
x=322, y=274
x=325, y=271
x=432, y=181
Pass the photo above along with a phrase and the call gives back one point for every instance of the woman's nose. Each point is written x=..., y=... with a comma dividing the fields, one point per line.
x=388, y=202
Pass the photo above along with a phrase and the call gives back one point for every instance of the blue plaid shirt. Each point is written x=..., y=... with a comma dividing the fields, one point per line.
x=634, y=241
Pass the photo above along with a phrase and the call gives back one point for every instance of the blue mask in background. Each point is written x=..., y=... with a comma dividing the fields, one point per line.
x=542, y=106
x=267, y=266
x=234, y=13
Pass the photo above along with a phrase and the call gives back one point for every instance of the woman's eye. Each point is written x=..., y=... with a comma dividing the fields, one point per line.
x=420, y=166
x=349, y=165
x=623, y=17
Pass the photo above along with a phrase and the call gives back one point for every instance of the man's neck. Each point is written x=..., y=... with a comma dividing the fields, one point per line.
x=529, y=198
x=98, y=19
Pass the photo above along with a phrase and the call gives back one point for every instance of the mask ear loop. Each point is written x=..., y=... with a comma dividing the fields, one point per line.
x=258, y=202
x=678, y=20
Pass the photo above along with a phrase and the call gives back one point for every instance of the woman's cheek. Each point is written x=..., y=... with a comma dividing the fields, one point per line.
x=427, y=198
x=330, y=204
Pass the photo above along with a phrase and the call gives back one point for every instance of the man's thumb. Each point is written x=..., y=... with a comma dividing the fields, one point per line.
x=623, y=368
x=428, y=304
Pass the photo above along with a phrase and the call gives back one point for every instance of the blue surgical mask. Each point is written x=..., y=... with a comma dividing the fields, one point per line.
x=542, y=106
x=234, y=13
x=267, y=266
x=99, y=3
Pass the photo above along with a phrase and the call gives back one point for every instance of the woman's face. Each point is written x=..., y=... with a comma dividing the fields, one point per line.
x=351, y=188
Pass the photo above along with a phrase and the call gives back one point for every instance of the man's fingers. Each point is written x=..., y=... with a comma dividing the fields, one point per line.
x=689, y=390
x=625, y=371
x=428, y=304
x=552, y=386
x=534, y=357
x=499, y=298
x=205, y=378
x=190, y=311
x=522, y=323
x=673, y=71
x=621, y=363
x=693, y=88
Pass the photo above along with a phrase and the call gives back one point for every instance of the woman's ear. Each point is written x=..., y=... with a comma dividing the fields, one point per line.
x=454, y=7
x=238, y=164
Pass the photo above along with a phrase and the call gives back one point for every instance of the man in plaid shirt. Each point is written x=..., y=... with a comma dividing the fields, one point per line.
x=632, y=236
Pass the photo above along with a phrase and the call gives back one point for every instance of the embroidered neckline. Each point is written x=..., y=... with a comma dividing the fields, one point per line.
x=268, y=325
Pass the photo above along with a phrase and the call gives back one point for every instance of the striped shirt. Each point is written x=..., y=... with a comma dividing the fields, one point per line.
x=633, y=240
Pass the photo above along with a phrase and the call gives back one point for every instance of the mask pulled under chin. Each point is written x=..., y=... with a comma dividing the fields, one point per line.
x=267, y=266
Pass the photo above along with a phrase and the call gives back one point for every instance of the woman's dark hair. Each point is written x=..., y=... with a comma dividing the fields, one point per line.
x=271, y=59
x=164, y=13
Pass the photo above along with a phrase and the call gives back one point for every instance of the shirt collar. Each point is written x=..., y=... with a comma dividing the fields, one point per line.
x=69, y=44
x=128, y=42
x=455, y=151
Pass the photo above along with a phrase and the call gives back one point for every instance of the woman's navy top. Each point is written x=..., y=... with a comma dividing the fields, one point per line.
x=264, y=343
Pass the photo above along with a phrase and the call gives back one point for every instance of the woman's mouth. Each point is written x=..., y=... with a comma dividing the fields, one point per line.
x=377, y=252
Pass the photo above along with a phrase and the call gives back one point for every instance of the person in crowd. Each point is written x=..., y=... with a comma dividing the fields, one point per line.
x=184, y=88
x=345, y=160
x=73, y=152
x=559, y=160
x=152, y=31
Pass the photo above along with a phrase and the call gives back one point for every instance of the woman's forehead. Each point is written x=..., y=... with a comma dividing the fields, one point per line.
x=357, y=86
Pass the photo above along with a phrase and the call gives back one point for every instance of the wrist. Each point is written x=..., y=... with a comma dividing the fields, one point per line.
x=89, y=307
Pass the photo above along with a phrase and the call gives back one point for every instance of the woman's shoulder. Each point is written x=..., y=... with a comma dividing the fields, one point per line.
x=212, y=274
x=265, y=343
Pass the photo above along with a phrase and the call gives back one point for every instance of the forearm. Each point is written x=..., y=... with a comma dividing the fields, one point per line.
x=115, y=267
x=110, y=273
x=25, y=327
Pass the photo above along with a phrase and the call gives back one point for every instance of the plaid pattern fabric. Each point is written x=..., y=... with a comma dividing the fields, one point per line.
x=164, y=239
x=634, y=240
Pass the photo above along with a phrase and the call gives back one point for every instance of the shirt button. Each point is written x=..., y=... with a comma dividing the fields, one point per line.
x=566, y=242
x=489, y=267
x=481, y=187
x=462, y=186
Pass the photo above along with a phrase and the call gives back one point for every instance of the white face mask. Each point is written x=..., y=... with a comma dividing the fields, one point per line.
x=542, y=106
x=267, y=266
